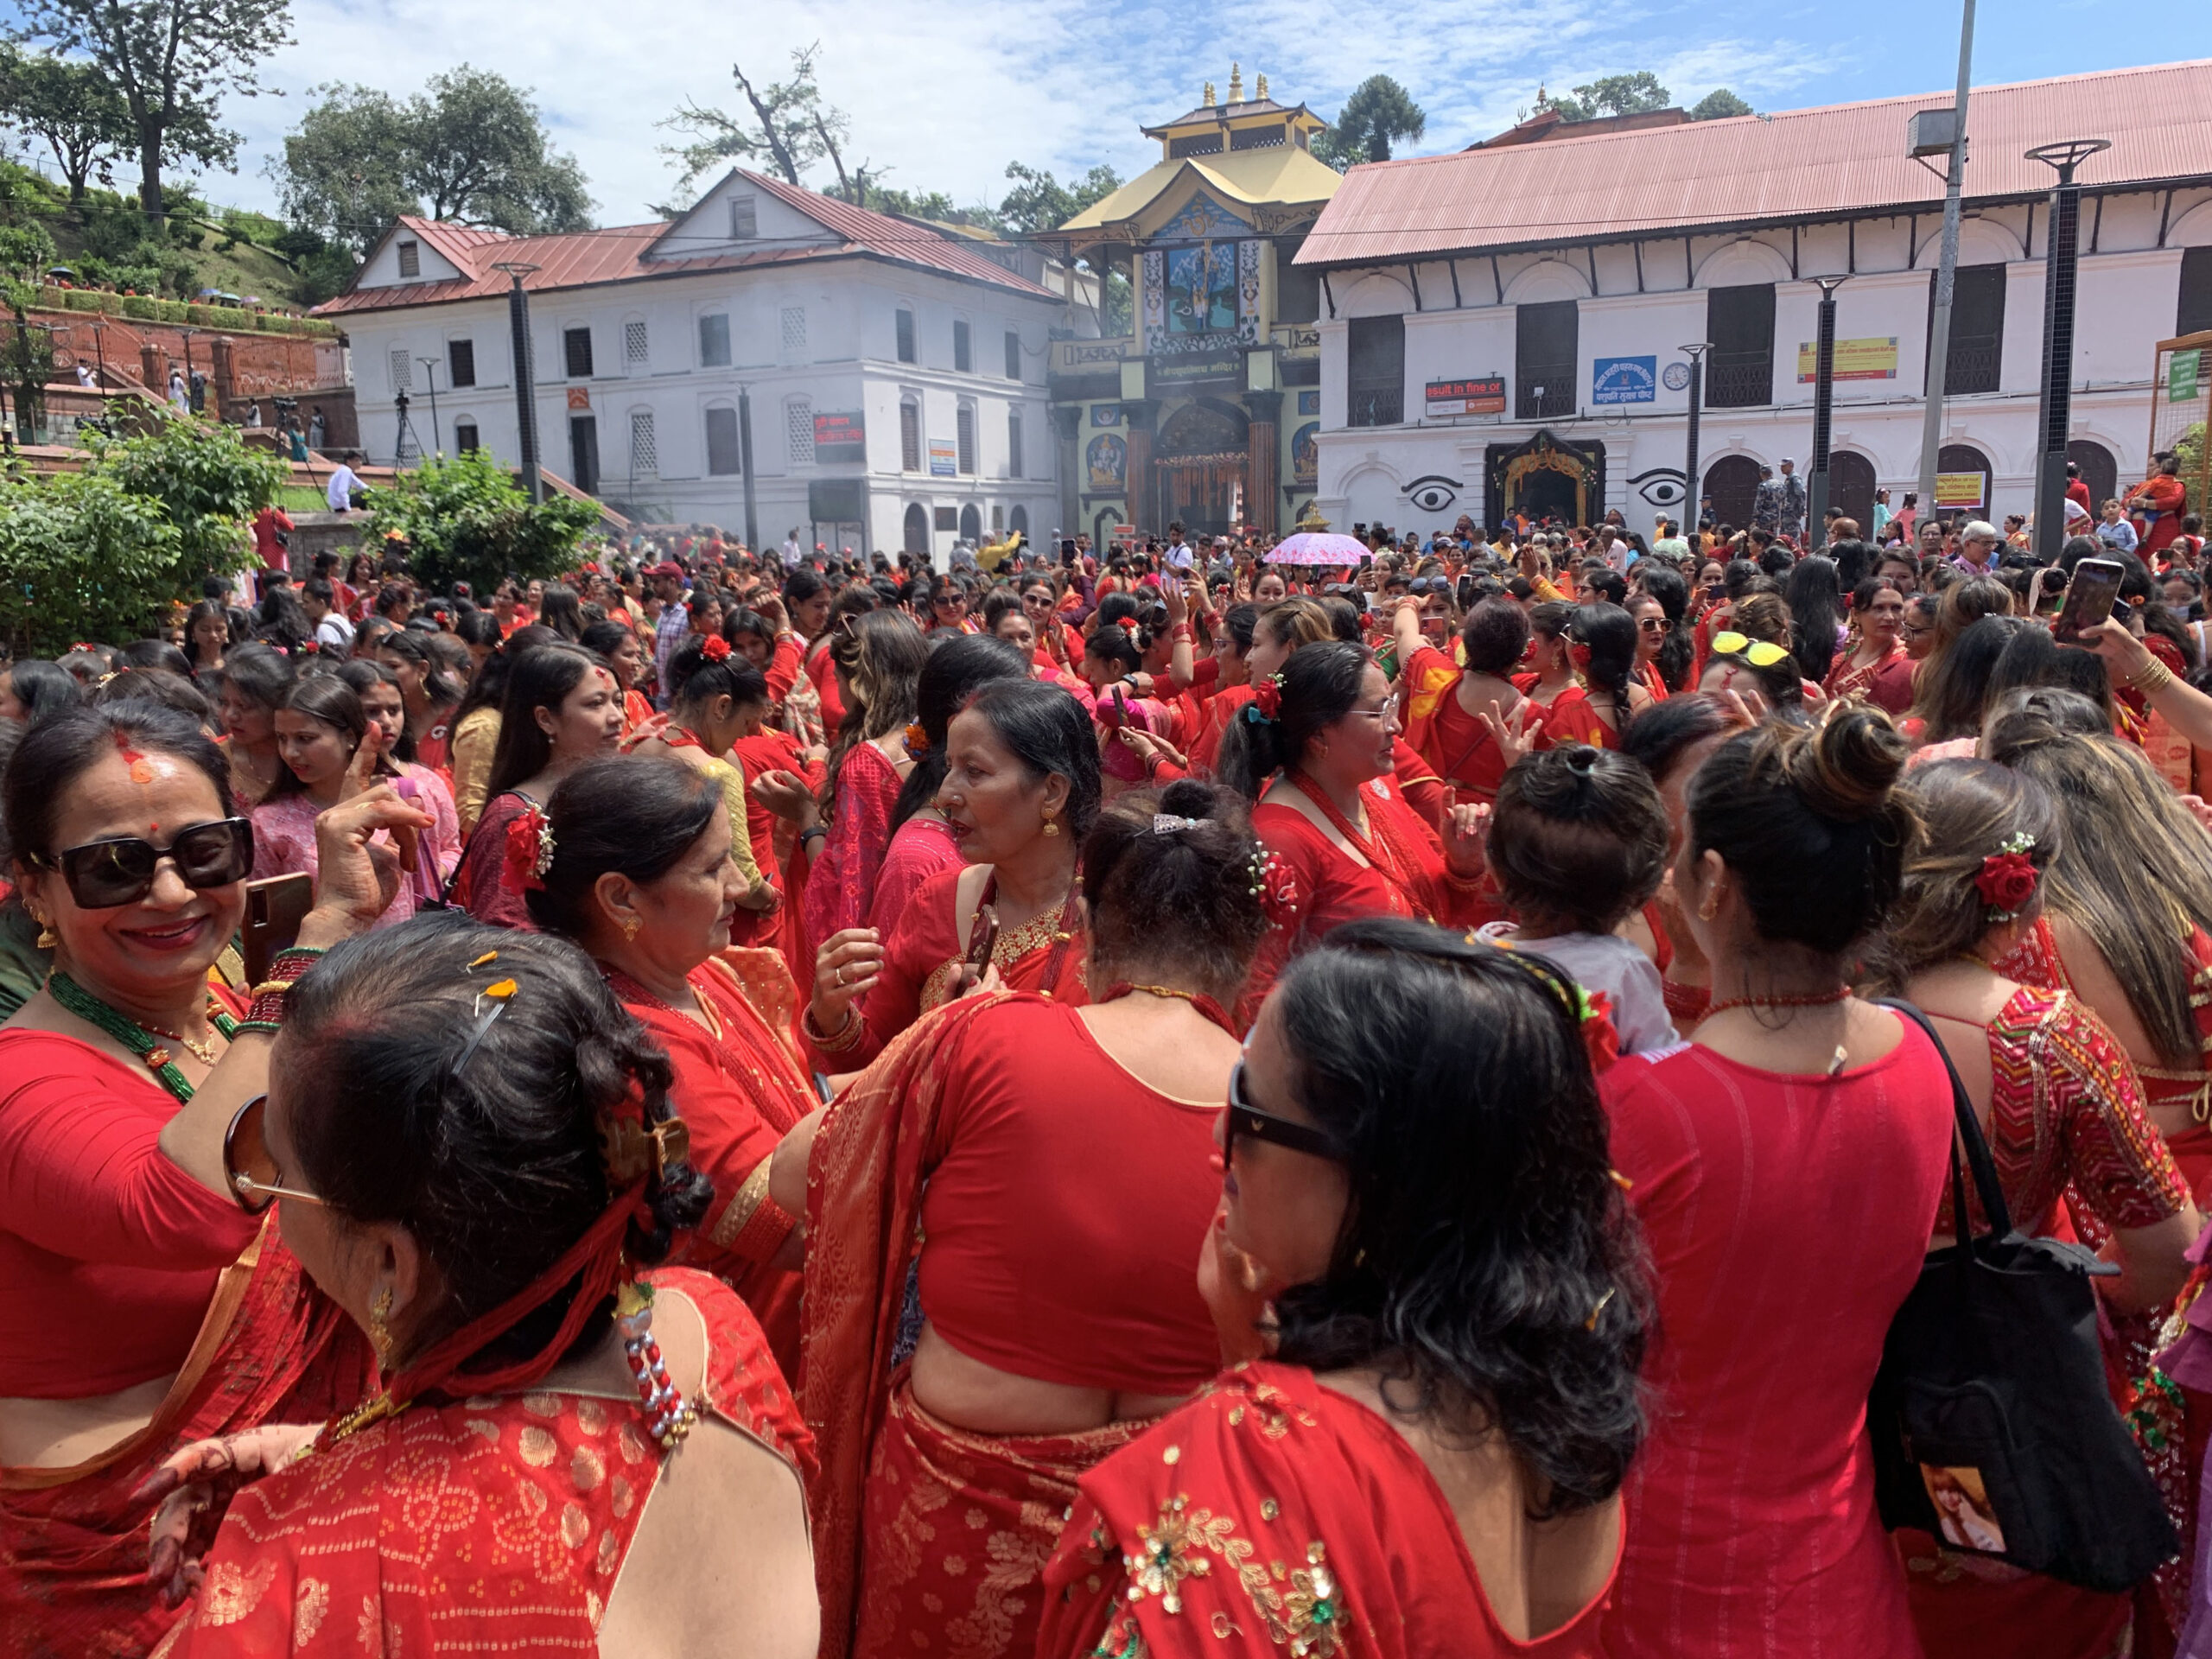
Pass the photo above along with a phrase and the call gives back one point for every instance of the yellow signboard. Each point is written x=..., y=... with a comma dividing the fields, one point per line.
x=1958, y=489
x=1872, y=358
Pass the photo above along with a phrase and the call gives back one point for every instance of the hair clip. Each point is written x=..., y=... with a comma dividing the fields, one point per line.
x=498, y=994
x=1167, y=823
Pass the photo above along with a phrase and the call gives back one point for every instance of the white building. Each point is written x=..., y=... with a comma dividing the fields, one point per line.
x=867, y=374
x=1561, y=269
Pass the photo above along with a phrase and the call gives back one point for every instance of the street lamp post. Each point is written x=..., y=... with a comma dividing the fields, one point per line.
x=526, y=376
x=430, y=374
x=2055, y=411
x=186, y=334
x=744, y=465
x=1947, y=272
x=1816, y=509
x=1693, y=494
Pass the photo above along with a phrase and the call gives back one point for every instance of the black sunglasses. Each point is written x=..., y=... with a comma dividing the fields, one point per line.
x=107, y=874
x=1246, y=1119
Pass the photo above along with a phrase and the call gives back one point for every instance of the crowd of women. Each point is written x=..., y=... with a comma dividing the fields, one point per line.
x=1086, y=1110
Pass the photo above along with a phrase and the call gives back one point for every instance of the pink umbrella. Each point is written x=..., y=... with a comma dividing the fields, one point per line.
x=1318, y=547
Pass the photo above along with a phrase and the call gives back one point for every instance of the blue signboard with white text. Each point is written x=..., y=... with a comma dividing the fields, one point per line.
x=1624, y=379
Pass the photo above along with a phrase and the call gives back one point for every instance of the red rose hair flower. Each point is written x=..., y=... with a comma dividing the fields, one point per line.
x=529, y=850
x=1266, y=695
x=716, y=649
x=2007, y=879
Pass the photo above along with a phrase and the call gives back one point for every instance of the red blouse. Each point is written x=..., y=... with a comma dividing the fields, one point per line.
x=840, y=883
x=109, y=1252
x=1058, y=1241
x=482, y=884
x=920, y=848
x=1572, y=719
x=1457, y=744
x=1787, y=1217
x=783, y=667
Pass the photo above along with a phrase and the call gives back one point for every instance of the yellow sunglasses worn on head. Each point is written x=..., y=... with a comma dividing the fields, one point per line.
x=1759, y=653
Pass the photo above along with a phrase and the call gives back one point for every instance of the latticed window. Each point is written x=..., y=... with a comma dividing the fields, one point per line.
x=722, y=446
x=967, y=440
x=644, y=452
x=910, y=437
x=1014, y=443
x=635, y=348
x=795, y=329
x=403, y=370
x=798, y=430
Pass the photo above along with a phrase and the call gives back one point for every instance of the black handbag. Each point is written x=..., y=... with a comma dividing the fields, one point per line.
x=1993, y=1426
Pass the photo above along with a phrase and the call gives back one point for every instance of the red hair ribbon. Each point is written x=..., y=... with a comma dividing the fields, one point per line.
x=1128, y=624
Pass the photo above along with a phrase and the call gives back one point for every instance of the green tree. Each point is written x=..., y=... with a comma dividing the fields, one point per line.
x=1379, y=112
x=788, y=128
x=470, y=148
x=1718, y=104
x=209, y=483
x=1040, y=202
x=68, y=106
x=171, y=62
x=1636, y=94
x=466, y=520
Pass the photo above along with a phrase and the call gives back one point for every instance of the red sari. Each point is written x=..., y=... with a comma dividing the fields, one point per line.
x=484, y=882
x=740, y=1088
x=841, y=882
x=921, y=955
x=492, y=1524
x=1572, y=720
x=1457, y=744
x=1055, y=1248
x=1272, y=1513
x=1845, y=681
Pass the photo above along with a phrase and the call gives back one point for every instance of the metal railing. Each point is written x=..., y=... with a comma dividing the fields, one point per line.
x=1739, y=379
x=1376, y=408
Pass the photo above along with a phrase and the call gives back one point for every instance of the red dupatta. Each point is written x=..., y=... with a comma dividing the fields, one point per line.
x=1384, y=849
x=73, y=1541
x=863, y=1213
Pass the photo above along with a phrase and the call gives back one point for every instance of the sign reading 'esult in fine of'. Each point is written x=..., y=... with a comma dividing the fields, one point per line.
x=1482, y=395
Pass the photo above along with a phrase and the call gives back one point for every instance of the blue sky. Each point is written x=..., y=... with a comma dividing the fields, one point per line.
x=946, y=95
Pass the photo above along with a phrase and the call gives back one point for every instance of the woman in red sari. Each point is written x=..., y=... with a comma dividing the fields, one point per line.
x=2064, y=1116
x=1317, y=749
x=1019, y=791
x=1602, y=643
x=1795, y=1111
x=565, y=1455
x=642, y=877
x=878, y=659
x=1428, y=1458
x=1450, y=711
x=1051, y=1248
x=1877, y=617
x=143, y=1308
x=560, y=708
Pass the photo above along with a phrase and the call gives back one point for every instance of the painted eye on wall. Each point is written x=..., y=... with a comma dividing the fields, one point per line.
x=1661, y=485
x=1434, y=493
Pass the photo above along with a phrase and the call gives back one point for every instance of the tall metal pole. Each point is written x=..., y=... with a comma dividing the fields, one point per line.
x=1947, y=272
x=745, y=466
x=430, y=373
x=1816, y=506
x=525, y=377
x=2054, y=410
x=1693, y=493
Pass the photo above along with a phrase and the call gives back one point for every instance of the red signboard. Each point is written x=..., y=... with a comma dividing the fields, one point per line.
x=1484, y=396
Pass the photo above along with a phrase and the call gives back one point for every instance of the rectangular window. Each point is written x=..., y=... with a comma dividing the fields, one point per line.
x=411, y=259
x=637, y=349
x=575, y=348
x=1739, y=321
x=906, y=327
x=1546, y=343
x=1297, y=294
x=795, y=330
x=461, y=361
x=963, y=355
x=1014, y=443
x=910, y=437
x=644, y=452
x=967, y=440
x=744, y=219
x=1375, y=371
x=583, y=453
x=464, y=437
x=798, y=432
x=947, y=518
x=2194, y=314
x=403, y=370
x=713, y=341
x=721, y=443
x=1013, y=355
x=1975, y=361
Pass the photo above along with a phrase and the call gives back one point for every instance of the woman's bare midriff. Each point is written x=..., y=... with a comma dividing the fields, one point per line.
x=61, y=1433
x=984, y=1400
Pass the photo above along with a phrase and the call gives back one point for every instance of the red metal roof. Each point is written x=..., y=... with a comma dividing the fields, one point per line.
x=623, y=254
x=1846, y=158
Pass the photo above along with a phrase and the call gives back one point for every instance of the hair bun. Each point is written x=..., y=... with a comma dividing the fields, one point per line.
x=1582, y=759
x=1844, y=768
x=1186, y=798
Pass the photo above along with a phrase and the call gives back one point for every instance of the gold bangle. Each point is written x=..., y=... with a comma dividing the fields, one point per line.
x=846, y=1036
x=271, y=988
x=2152, y=678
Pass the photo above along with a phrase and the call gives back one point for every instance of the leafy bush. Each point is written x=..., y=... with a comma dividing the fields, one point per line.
x=172, y=311
x=142, y=307
x=81, y=557
x=466, y=520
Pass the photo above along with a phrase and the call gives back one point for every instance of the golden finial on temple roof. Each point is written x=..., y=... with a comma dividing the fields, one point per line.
x=1236, y=84
x=1209, y=102
x=1261, y=89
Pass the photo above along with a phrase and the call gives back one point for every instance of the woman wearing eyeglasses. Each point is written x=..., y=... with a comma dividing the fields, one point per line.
x=944, y=608
x=1597, y=708
x=1054, y=1246
x=1795, y=1111
x=142, y=1308
x=1420, y=1444
x=1317, y=749
x=474, y=1153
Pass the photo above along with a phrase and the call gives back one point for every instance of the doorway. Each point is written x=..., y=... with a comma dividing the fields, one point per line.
x=971, y=525
x=583, y=453
x=1732, y=481
x=2100, y=471
x=917, y=535
x=1851, y=487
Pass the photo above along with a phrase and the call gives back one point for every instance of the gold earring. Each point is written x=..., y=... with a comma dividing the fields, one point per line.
x=47, y=938
x=630, y=929
x=379, y=1332
x=1051, y=828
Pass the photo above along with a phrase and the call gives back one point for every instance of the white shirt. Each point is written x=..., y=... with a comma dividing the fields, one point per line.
x=342, y=484
x=335, y=630
x=1179, y=556
x=791, y=551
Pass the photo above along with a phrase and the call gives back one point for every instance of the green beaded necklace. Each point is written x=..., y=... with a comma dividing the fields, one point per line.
x=133, y=1036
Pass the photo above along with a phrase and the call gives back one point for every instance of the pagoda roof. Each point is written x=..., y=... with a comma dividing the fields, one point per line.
x=1218, y=114
x=1278, y=174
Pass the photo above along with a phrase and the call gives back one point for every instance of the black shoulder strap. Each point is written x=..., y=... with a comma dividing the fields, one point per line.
x=1969, y=1136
